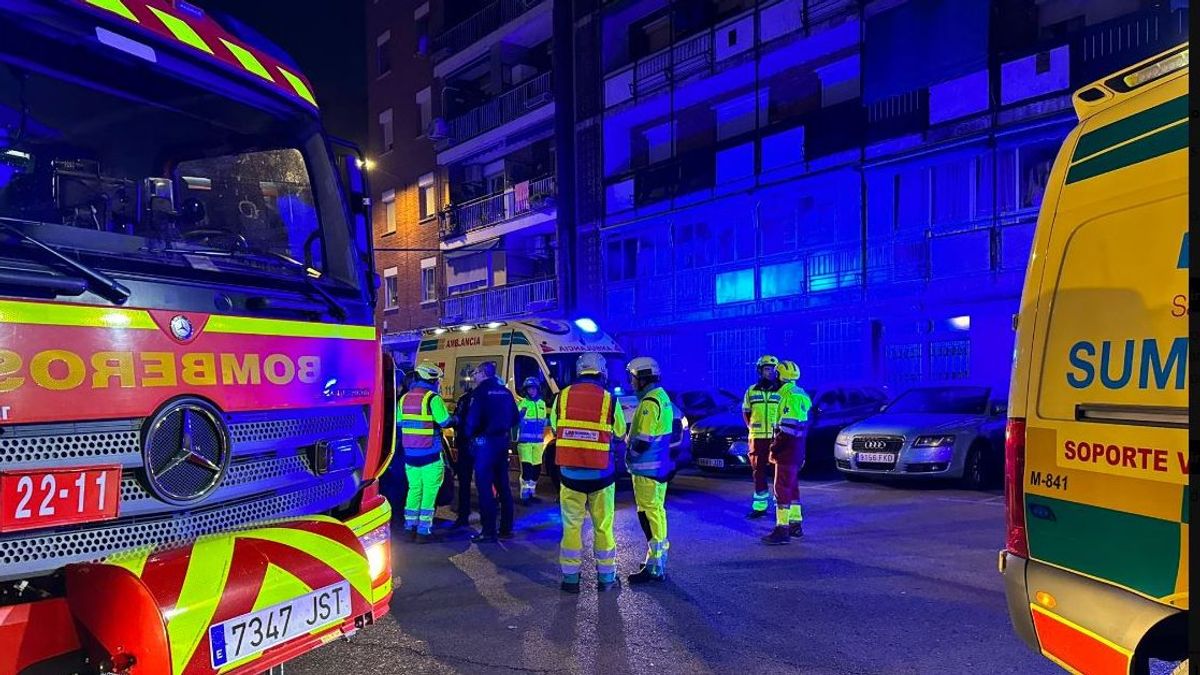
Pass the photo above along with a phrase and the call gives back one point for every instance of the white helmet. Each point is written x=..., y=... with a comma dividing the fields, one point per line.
x=591, y=363
x=427, y=370
x=643, y=366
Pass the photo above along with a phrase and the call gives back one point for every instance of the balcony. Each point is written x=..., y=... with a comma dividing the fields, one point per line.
x=1099, y=50
x=526, y=197
x=505, y=108
x=479, y=25
x=504, y=302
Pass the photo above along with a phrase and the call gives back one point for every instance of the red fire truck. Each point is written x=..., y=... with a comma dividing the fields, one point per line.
x=192, y=391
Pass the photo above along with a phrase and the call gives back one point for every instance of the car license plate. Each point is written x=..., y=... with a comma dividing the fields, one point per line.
x=252, y=633
x=712, y=463
x=877, y=457
x=32, y=499
x=740, y=448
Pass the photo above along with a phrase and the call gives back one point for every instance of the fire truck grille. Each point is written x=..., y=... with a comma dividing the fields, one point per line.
x=109, y=442
x=292, y=427
x=31, y=555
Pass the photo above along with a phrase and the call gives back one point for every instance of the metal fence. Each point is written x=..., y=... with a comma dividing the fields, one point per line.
x=506, y=107
x=522, y=198
x=479, y=24
x=502, y=302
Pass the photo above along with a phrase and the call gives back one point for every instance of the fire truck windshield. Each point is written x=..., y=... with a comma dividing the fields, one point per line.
x=163, y=180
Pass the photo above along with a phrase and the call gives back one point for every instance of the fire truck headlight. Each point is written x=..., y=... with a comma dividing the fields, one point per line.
x=378, y=546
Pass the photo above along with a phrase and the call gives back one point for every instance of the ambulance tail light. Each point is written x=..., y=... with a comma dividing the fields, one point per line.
x=1014, y=487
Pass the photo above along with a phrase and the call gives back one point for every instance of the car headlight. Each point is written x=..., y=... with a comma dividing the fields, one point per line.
x=933, y=441
x=842, y=439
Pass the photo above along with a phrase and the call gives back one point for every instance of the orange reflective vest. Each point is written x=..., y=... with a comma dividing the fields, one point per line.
x=583, y=438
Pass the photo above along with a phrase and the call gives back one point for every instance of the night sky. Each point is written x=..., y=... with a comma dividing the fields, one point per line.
x=326, y=38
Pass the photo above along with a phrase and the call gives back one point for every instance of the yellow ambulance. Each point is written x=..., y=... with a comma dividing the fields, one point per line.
x=1095, y=567
x=546, y=349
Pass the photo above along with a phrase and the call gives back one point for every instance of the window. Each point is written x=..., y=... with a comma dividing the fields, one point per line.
x=391, y=285
x=1034, y=162
x=783, y=280
x=649, y=36
x=428, y=280
x=383, y=53
x=621, y=259
x=388, y=131
x=658, y=143
x=736, y=286
x=428, y=196
x=389, y=212
x=464, y=367
x=424, y=111
x=527, y=366
x=952, y=192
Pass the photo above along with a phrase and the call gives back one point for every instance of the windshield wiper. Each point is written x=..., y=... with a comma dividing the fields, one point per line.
x=335, y=307
x=100, y=282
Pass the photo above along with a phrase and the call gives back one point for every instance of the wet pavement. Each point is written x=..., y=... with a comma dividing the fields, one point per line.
x=888, y=579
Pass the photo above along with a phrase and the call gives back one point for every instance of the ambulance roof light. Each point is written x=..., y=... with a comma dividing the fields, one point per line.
x=586, y=325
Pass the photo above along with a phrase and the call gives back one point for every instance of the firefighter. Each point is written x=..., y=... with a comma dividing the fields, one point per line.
x=586, y=420
x=530, y=437
x=422, y=414
x=648, y=456
x=760, y=408
x=787, y=455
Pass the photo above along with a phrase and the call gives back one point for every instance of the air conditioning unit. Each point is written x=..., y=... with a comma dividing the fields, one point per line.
x=438, y=129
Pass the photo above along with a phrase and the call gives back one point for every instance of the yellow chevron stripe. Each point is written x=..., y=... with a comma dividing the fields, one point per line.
x=49, y=314
x=382, y=591
x=298, y=85
x=134, y=561
x=367, y=522
x=346, y=561
x=208, y=572
x=116, y=7
x=242, y=325
x=181, y=30
x=248, y=60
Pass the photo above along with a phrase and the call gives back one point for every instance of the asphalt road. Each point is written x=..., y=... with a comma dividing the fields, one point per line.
x=888, y=579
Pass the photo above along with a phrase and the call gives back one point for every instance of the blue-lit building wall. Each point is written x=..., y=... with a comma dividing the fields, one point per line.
x=775, y=183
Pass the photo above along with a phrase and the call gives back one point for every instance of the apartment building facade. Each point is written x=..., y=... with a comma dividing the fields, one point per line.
x=759, y=177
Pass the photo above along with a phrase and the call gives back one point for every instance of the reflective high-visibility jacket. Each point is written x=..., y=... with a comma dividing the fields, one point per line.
x=534, y=418
x=796, y=404
x=590, y=406
x=421, y=412
x=649, y=448
x=762, y=406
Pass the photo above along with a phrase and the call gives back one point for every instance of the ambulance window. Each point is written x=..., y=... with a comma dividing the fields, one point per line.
x=527, y=366
x=464, y=367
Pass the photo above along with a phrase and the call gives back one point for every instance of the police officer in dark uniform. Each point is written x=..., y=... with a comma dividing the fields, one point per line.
x=491, y=418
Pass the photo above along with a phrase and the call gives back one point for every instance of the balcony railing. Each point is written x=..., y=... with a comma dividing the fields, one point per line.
x=693, y=55
x=506, y=107
x=524, y=197
x=479, y=24
x=1100, y=49
x=504, y=302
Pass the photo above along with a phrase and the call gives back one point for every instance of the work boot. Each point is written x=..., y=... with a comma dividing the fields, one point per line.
x=796, y=530
x=604, y=586
x=756, y=514
x=483, y=538
x=462, y=521
x=526, y=500
x=569, y=586
x=506, y=534
x=778, y=536
x=646, y=575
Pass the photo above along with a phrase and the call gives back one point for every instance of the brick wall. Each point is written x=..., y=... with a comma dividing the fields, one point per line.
x=399, y=169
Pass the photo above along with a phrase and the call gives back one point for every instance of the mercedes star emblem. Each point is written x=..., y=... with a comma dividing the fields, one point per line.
x=186, y=451
x=181, y=327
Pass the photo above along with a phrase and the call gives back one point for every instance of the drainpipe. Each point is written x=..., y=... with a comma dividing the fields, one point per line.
x=564, y=143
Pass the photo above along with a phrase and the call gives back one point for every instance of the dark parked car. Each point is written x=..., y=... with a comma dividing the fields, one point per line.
x=719, y=442
x=698, y=404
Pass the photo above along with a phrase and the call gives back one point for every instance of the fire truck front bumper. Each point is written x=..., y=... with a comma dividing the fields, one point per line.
x=226, y=603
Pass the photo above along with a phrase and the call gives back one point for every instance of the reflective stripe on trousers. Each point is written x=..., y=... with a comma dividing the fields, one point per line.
x=651, y=496
x=421, y=501
x=575, y=506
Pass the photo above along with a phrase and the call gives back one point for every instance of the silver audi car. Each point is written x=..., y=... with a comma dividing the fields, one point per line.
x=945, y=431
